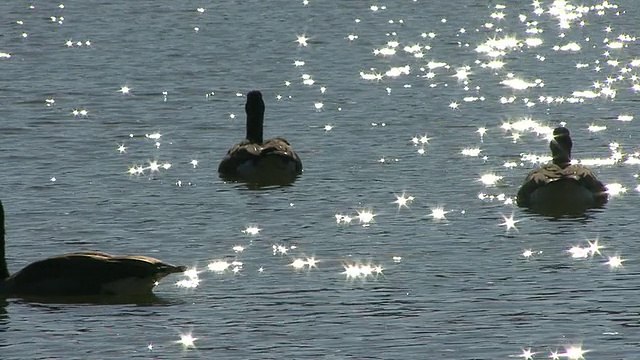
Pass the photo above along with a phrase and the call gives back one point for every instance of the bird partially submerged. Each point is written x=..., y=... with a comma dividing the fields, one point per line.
x=82, y=274
x=255, y=161
x=561, y=188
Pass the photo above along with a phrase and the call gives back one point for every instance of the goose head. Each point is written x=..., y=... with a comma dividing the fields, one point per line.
x=255, y=116
x=560, y=146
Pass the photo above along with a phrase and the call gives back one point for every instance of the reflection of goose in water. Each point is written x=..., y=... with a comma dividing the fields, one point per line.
x=270, y=162
x=561, y=188
x=84, y=273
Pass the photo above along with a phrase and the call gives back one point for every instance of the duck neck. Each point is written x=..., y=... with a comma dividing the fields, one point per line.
x=4, y=272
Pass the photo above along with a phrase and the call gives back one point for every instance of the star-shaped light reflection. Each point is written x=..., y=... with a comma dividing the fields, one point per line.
x=574, y=353
x=438, y=213
x=614, y=262
x=354, y=271
x=365, y=217
x=187, y=340
x=403, y=201
x=594, y=247
x=153, y=166
x=527, y=354
x=300, y=263
x=509, y=222
x=302, y=40
x=281, y=249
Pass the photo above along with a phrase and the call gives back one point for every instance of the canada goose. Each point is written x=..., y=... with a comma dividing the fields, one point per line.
x=252, y=160
x=84, y=273
x=561, y=188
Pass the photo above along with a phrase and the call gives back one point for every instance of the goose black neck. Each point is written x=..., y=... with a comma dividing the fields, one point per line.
x=255, y=116
x=561, y=147
x=4, y=272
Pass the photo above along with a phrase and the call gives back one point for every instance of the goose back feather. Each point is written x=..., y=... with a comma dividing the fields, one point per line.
x=84, y=273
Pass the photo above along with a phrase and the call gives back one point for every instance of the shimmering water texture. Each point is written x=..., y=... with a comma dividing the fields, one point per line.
x=416, y=122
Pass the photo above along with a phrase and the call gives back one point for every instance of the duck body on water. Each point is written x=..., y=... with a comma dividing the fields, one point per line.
x=562, y=188
x=256, y=161
x=82, y=274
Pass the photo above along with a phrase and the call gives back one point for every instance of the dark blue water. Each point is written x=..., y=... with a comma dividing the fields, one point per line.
x=372, y=78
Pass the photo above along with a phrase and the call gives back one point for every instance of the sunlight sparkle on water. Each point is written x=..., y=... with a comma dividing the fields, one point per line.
x=438, y=213
x=509, y=223
x=300, y=263
x=346, y=219
x=578, y=252
x=403, y=201
x=302, y=40
x=527, y=354
x=615, y=189
x=251, y=230
x=153, y=136
x=594, y=247
x=625, y=117
x=474, y=152
x=361, y=271
x=365, y=216
x=187, y=340
x=219, y=266
x=519, y=84
x=490, y=179
x=574, y=353
x=189, y=283
x=482, y=131
x=192, y=272
x=420, y=140
x=281, y=249
x=615, y=262
x=596, y=128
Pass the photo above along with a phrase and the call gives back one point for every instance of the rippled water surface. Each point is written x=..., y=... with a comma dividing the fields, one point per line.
x=416, y=122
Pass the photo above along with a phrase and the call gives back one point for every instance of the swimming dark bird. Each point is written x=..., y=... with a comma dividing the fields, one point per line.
x=561, y=188
x=83, y=274
x=253, y=160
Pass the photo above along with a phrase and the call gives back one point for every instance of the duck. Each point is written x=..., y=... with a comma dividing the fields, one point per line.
x=82, y=274
x=254, y=160
x=562, y=188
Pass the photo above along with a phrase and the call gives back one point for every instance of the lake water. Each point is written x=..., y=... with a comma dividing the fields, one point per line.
x=115, y=116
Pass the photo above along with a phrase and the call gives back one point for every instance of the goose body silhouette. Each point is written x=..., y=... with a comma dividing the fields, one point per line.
x=83, y=274
x=254, y=160
x=562, y=188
